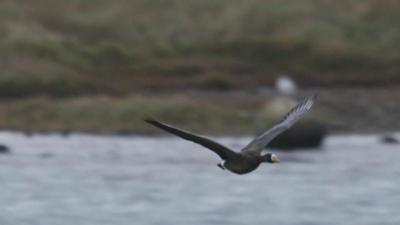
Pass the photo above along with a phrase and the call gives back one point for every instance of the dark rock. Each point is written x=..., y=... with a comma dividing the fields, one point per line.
x=4, y=149
x=304, y=134
x=45, y=155
x=65, y=132
x=388, y=139
x=28, y=133
x=123, y=132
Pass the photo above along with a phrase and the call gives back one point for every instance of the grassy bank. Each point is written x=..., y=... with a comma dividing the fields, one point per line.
x=121, y=115
x=101, y=66
x=70, y=48
x=233, y=113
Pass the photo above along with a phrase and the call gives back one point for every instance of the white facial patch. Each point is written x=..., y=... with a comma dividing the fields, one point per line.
x=275, y=158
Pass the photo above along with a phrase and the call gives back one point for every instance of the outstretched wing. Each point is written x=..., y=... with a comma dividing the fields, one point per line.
x=219, y=149
x=258, y=144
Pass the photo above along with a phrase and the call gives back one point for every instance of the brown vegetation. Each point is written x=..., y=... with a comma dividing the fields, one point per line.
x=64, y=48
x=112, y=62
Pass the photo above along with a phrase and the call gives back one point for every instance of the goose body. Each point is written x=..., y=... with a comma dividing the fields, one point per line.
x=250, y=157
x=244, y=164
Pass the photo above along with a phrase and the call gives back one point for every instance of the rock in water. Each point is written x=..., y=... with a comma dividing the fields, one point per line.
x=389, y=139
x=4, y=149
x=304, y=134
x=307, y=133
x=45, y=155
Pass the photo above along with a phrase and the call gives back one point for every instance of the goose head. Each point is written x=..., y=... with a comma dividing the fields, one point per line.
x=271, y=158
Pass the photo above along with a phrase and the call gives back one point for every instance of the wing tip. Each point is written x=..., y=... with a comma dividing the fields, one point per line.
x=314, y=96
x=150, y=120
x=309, y=101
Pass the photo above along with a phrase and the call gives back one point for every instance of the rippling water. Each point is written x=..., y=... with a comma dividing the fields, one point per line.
x=99, y=180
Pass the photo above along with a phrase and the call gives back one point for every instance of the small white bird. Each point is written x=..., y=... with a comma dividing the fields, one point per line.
x=285, y=85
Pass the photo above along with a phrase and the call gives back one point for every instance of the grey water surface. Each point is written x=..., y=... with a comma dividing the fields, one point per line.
x=109, y=180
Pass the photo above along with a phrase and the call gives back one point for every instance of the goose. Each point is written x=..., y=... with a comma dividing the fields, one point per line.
x=250, y=157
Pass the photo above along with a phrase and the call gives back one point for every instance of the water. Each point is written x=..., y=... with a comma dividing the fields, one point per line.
x=99, y=180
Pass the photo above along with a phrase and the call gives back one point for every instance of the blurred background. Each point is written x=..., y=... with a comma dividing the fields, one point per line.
x=78, y=77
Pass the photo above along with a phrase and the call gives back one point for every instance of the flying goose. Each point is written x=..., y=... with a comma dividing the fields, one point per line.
x=250, y=157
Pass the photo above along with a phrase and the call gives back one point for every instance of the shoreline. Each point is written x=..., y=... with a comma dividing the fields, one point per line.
x=345, y=110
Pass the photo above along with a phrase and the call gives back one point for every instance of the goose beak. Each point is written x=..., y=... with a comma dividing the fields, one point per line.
x=275, y=158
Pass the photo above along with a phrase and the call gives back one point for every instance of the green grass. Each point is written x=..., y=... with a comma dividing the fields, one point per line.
x=78, y=47
x=230, y=113
x=108, y=114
